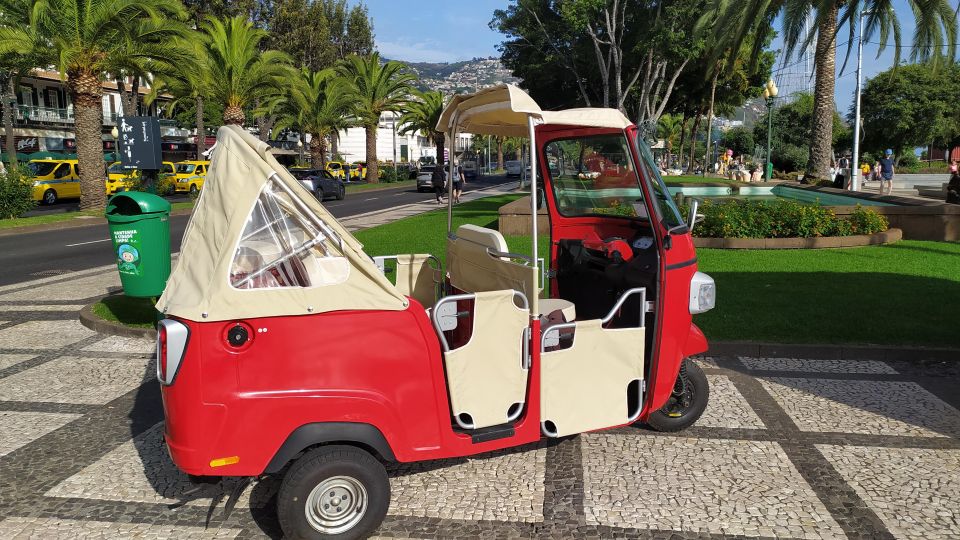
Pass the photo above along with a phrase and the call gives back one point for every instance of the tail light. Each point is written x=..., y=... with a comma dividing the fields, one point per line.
x=172, y=337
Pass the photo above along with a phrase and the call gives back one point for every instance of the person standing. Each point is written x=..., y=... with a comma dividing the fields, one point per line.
x=458, y=181
x=865, y=170
x=886, y=172
x=439, y=180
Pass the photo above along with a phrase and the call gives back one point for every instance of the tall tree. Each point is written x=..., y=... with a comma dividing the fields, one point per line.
x=351, y=31
x=421, y=115
x=188, y=83
x=300, y=28
x=17, y=63
x=316, y=104
x=669, y=128
x=375, y=87
x=934, y=39
x=239, y=72
x=86, y=37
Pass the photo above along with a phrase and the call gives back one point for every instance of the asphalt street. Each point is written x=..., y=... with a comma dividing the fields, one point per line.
x=28, y=256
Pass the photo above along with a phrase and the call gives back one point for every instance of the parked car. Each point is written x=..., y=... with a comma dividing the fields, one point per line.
x=55, y=179
x=336, y=169
x=321, y=183
x=189, y=176
x=425, y=176
x=120, y=179
x=469, y=168
x=513, y=168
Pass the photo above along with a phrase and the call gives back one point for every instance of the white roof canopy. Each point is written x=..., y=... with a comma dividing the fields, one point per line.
x=504, y=109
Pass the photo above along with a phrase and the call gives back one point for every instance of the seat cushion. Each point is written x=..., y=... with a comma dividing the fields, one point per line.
x=549, y=305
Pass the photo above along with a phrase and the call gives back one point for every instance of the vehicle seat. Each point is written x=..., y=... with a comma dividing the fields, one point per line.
x=566, y=308
x=473, y=269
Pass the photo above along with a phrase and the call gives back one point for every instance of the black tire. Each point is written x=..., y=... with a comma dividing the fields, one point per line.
x=50, y=197
x=194, y=189
x=344, y=474
x=689, y=399
x=341, y=193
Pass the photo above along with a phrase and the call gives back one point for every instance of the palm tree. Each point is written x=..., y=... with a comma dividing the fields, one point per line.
x=188, y=83
x=375, y=88
x=317, y=103
x=239, y=72
x=669, y=128
x=934, y=39
x=17, y=63
x=421, y=115
x=85, y=38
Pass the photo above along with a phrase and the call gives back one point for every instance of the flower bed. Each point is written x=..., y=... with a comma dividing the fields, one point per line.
x=782, y=219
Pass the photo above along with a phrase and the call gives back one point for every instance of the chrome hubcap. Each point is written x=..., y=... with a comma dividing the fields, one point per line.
x=336, y=505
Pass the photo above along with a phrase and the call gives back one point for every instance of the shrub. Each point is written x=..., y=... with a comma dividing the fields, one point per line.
x=388, y=173
x=16, y=192
x=165, y=183
x=782, y=218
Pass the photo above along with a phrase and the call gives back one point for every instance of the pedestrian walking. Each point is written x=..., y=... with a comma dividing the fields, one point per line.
x=953, y=186
x=865, y=170
x=439, y=180
x=886, y=172
x=458, y=181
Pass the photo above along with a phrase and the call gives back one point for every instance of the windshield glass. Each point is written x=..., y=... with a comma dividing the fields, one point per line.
x=116, y=168
x=185, y=168
x=668, y=210
x=594, y=175
x=41, y=168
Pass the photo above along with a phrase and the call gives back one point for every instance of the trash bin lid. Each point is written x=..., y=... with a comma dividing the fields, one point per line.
x=131, y=203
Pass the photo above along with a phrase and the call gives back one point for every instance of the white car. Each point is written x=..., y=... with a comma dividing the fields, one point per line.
x=514, y=168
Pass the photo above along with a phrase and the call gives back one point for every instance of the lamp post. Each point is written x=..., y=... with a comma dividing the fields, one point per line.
x=300, y=149
x=855, y=163
x=770, y=92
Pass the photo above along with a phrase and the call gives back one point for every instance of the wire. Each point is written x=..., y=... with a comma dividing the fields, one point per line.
x=800, y=61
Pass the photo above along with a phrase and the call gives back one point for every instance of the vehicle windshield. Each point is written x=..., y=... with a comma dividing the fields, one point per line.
x=427, y=169
x=116, y=168
x=668, y=210
x=333, y=166
x=594, y=175
x=41, y=168
x=300, y=174
x=185, y=168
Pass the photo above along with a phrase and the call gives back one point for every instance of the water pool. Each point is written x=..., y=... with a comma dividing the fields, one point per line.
x=772, y=193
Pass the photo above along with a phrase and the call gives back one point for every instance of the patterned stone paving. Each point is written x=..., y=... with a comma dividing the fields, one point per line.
x=787, y=448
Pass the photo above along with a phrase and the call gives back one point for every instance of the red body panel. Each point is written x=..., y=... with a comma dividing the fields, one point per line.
x=381, y=368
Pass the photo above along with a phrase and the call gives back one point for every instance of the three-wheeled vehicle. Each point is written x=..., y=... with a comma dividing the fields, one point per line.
x=286, y=349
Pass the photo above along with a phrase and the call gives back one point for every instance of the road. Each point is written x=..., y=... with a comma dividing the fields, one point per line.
x=40, y=254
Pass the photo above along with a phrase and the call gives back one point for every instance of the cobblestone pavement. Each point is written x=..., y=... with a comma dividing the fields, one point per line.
x=788, y=448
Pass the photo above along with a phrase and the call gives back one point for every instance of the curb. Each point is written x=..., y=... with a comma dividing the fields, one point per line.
x=91, y=321
x=888, y=236
x=831, y=352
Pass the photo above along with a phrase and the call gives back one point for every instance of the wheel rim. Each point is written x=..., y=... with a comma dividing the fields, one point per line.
x=682, y=396
x=50, y=197
x=336, y=505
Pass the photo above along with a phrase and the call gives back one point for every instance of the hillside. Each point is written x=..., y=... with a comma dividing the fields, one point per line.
x=465, y=76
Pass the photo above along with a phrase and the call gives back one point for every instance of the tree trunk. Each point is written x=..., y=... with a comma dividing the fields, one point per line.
x=8, y=113
x=86, y=94
x=335, y=144
x=713, y=93
x=438, y=141
x=201, y=129
x=233, y=115
x=373, y=168
x=318, y=151
x=693, y=142
x=500, y=153
x=821, y=125
x=683, y=139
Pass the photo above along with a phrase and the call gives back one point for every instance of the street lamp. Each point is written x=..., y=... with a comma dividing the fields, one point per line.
x=770, y=92
x=115, y=133
x=300, y=149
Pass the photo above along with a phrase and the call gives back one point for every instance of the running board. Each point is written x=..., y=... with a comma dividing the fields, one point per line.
x=492, y=433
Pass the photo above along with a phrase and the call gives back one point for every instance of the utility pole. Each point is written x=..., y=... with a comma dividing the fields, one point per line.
x=394, y=116
x=855, y=163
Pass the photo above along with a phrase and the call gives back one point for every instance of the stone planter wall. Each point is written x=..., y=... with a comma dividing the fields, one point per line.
x=885, y=237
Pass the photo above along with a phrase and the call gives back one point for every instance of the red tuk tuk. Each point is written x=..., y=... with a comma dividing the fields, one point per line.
x=286, y=349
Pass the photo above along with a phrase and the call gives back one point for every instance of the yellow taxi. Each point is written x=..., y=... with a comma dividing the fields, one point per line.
x=336, y=169
x=120, y=179
x=189, y=176
x=55, y=179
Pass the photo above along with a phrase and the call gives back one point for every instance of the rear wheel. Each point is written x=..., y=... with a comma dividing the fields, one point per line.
x=341, y=193
x=689, y=399
x=333, y=492
x=49, y=196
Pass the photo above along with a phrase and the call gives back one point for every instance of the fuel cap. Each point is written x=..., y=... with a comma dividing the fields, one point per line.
x=238, y=336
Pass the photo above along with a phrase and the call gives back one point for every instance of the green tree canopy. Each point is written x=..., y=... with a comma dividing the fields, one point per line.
x=791, y=132
x=911, y=106
x=738, y=139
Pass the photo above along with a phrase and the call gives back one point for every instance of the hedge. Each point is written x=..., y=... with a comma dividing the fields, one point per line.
x=781, y=219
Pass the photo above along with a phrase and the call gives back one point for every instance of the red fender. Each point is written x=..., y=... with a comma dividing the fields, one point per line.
x=696, y=342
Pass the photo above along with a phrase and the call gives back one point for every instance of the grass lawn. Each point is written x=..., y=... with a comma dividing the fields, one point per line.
x=67, y=216
x=135, y=312
x=906, y=293
x=351, y=187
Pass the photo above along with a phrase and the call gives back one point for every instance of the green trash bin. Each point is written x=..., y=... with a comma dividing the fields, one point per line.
x=140, y=230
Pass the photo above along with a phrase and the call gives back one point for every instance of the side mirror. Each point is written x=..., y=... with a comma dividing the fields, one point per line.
x=693, y=217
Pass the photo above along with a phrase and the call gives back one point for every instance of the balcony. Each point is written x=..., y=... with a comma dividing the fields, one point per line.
x=30, y=116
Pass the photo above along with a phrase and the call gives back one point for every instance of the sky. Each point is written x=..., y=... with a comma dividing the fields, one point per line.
x=436, y=31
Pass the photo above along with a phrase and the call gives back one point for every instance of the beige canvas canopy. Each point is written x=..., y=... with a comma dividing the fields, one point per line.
x=204, y=285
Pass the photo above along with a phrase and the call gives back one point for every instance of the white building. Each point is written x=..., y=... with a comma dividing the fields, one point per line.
x=410, y=147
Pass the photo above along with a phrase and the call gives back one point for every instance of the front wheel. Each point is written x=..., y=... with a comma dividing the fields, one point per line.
x=333, y=492
x=194, y=189
x=689, y=399
x=341, y=193
x=49, y=197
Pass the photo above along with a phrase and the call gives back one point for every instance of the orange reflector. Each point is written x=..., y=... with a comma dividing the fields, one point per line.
x=224, y=461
